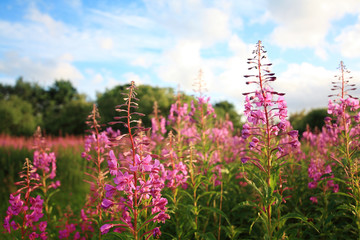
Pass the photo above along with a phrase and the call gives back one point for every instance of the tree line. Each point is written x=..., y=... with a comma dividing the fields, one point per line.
x=61, y=110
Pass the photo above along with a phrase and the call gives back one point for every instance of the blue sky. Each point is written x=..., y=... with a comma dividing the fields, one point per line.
x=99, y=44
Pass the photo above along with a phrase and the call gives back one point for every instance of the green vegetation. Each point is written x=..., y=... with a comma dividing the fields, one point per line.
x=60, y=110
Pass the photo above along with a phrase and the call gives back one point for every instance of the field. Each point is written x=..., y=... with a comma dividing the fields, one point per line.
x=190, y=176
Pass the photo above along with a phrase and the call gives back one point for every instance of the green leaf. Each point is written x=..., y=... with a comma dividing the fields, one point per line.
x=188, y=194
x=209, y=236
x=343, y=194
x=253, y=223
x=252, y=184
x=116, y=235
x=247, y=204
x=285, y=227
x=218, y=211
x=53, y=192
x=204, y=194
x=348, y=207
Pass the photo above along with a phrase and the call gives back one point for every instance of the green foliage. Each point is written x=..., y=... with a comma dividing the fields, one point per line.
x=147, y=96
x=314, y=119
x=17, y=117
x=226, y=110
x=62, y=92
x=68, y=119
x=60, y=109
x=27, y=105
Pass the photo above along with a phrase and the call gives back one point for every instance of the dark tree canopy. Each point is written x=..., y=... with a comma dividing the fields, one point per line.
x=314, y=119
x=62, y=92
x=17, y=117
x=225, y=109
x=59, y=109
x=147, y=96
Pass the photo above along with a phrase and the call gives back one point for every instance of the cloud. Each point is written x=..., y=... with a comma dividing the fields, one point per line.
x=52, y=27
x=97, y=79
x=120, y=20
x=43, y=37
x=173, y=39
x=306, y=86
x=223, y=76
x=107, y=43
x=348, y=40
x=76, y=4
x=130, y=76
x=181, y=63
x=44, y=71
x=306, y=23
x=146, y=60
x=190, y=19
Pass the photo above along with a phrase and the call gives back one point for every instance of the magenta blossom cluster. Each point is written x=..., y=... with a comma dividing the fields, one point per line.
x=30, y=216
x=158, y=130
x=96, y=142
x=262, y=109
x=222, y=133
x=337, y=107
x=176, y=177
x=47, y=163
x=178, y=112
x=321, y=141
x=158, y=126
x=147, y=186
x=201, y=102
x=316, y=170
x=340, y=109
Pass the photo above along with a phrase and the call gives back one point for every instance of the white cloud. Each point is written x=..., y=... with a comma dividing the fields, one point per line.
x=305, y=23
x=146, y=60
x=43, y=37
x=130, y=76
x=107, y=43
x=54, y=28
x=223, y=76
x=174, y=39
x=348, y=41
x=181, y=63
x=76, y=4
x=97, y=79
x=191, y=19
x=120, y=20
x=238, y=46
x=44, y=71
x=306, y=86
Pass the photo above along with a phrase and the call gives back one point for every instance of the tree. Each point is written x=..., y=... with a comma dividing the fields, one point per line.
x=17, y=117
x=314, y=119
x=147, y=96
x=62, y=92
x=225, y=109
x=69, y=119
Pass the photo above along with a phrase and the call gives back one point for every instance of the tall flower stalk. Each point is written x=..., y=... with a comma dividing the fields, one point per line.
x=97, y=143
x=343, y=108
x=269, y=134
x=137, y=181
x=26, y=212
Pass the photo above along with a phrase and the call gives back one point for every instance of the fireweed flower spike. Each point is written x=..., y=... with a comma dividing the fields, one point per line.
x=97, y=144
x=268, y=131
x=25, y=213
x=158, y=125
x=37, y=176
x=343, y=107
x=135, y=201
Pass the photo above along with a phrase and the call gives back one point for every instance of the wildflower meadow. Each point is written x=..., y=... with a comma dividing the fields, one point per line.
x=191, y=175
